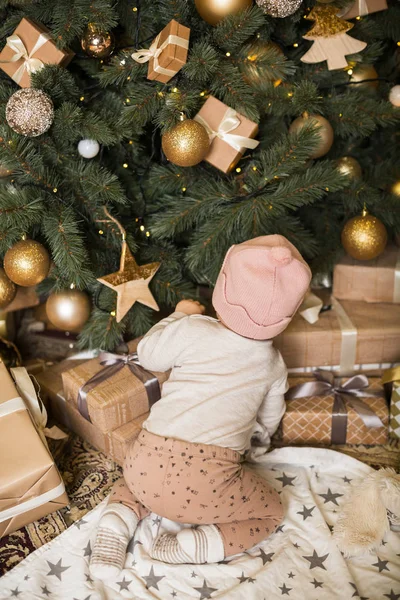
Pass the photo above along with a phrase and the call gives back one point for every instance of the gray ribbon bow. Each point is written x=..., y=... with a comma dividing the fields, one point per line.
x=113, y=363
x=348, y=392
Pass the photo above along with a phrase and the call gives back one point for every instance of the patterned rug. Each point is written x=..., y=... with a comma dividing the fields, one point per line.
x=89, y=475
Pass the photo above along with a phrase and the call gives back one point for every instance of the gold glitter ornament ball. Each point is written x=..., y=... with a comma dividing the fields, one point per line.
x=212, y=11
x=279, y=8
x=360, y=74
x=325, y=132
x=364, y=237
x=30, y=112
x=68, y=310
x=96, y=42
x=349, y=166
x=27, y=263
x=395, y=189
x=186, y=144
x=7, y=289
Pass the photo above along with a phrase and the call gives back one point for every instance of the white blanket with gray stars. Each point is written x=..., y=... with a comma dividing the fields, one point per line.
x=298, y=562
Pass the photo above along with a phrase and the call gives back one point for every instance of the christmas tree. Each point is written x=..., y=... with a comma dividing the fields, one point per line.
x=91, y=182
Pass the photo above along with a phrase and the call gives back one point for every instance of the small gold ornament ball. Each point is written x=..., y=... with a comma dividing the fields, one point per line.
x=7, y=289
x=279, y=8
x=30, y=112
x=186, y=144
x=395, y=189
x=364, y=237
x=254, y=71
x=325, y=132
x=68, y=310
x=360, y=74
x=212, y=11
x=96, y=42
x=4, y=172
x=349, y=166
x=27, y=263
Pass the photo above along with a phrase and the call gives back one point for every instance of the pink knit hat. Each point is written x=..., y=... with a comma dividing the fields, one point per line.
x=260, y=286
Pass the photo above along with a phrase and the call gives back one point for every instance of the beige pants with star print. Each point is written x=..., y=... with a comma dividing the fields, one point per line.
x=198, y=484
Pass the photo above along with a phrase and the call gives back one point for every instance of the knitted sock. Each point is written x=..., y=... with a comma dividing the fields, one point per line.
x=197, y=546
x=117, y=526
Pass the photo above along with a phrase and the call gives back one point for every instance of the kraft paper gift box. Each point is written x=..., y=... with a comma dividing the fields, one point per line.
x=167, y=53
x=108, y=397
x=114, y=444
x=334, y=418
x=351, y=333
x=28, y=49
x=375, y=280
x=30, y=484
x=230, y=133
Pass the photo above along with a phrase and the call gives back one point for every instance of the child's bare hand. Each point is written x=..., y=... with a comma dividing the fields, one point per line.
x=190, y=307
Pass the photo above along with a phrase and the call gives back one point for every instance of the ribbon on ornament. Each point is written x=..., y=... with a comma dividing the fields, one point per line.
x=230, y=121
x=30, y=64
x=113, y=363
x=344, y=394
x=144, y=55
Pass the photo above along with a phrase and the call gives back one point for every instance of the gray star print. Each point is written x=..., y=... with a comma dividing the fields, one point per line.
x=26, y=577
x=205, y=591
x=285, y=590
x=291, y=575
x=56, y=569
x=316, y=583
x=330, y=497
x=15, y=592
x=266, y=558
x=173, y=594
x=193, y=574
x=251, y=580
x=124, y=584
x=87, y=551
x=79, y=523
x=87, y=598
x=392, y=595
x=306, y=512
x=88, y=578
x=285, y=479
x=242, y=578
x=316, y=561
x=45, y=591
x=381, y=564
x=152, y=579
x=156, y=521
x=346, y=480
x=279, y=529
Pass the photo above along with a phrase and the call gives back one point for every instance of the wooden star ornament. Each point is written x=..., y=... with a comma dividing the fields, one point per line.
x=131, y=283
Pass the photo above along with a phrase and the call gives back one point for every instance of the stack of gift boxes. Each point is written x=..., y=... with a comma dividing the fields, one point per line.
x=357, y=335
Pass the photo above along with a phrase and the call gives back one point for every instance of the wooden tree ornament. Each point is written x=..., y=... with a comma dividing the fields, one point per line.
x=331, y=42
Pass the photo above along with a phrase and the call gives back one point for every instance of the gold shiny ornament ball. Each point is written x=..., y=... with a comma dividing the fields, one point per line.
x=4, y=172
x=68, y=309
x=212, y=11
x=30, y=112
x=186, y=144
x=27, y=263
x=364, y=237
x=279, y=8
x=325, y=132
x=254, y=71
x=395, y=189
x=96, y=42
x=349, y=166
x=360, y=74
x=7, y=289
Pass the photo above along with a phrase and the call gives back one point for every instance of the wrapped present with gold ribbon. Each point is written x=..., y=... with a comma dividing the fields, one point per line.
x=28, y=50
x=30, y=484
x=231, y=134
x=112, y=389
x=343, y=335
x=167, y=53
x=391, y=382
x=360, y=8
x=326, y=410
x=375, y=280
x=114, y=443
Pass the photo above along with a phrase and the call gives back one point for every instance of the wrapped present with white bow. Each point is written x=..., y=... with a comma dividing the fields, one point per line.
x=167, y=53
x=28, y=50
x=30, y=484
x=231, y=134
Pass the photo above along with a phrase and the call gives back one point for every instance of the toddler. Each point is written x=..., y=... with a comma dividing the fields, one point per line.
x=227, y=381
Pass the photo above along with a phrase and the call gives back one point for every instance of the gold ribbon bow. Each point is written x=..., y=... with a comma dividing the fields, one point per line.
x=30, y=64
x=35, y=406
x=144, y=55
x=348, y=392
x=230, y=121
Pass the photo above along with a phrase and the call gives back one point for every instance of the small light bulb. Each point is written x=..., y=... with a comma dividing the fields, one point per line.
x=112, y=313
x=147, y=233
x=358, y=18
x=295, y=45
x=128, y=100
x=175, y=90
x=350, y=71
x=327, y=189
x=228, y=54
x=101, y=232
x=183, y=189
x=290, y=94
x=130, y=142
x=202, y=93
x=340, y=115
x=128, y=78
x=122, y=62
x=55, y=190
x=101, y=62
x=72, y=286
x=238, y=170
x=137, y=220
x=254, y=168
x=125, y=165
x=71, y=345
x=134, y=9
x=142, y=228
x=398, y=43
x=82, y=98
x=270, y=207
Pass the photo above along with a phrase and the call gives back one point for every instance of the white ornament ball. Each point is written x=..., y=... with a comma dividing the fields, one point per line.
x=88, y=148
x=394, y=95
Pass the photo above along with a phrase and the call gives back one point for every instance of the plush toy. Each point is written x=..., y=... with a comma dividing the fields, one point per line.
x=370, y=510
x=227, y=382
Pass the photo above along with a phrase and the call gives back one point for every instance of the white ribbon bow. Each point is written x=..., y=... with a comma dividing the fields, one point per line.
x=30, y=64
x=144, y=55
x=310, y=308
x=230, y=122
